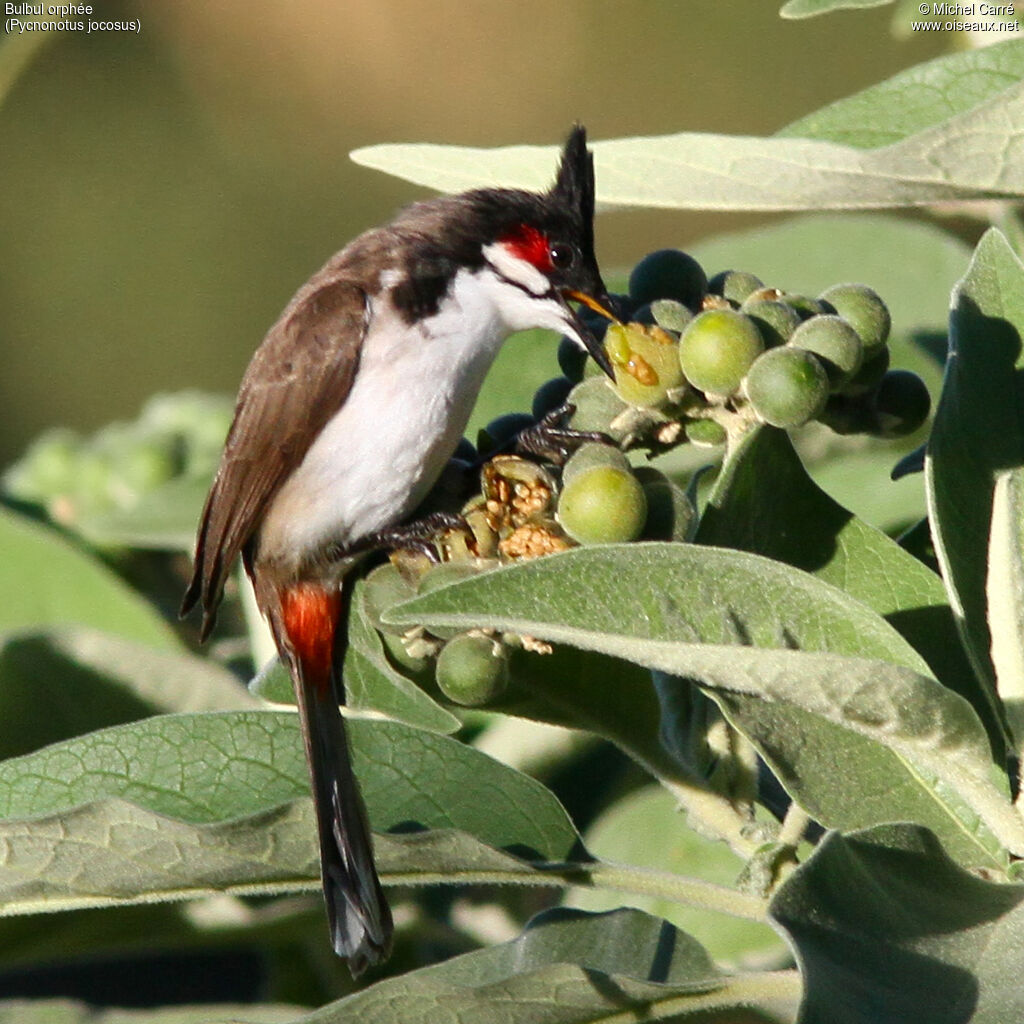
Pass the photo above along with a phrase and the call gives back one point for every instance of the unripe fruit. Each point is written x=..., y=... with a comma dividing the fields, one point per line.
x=787, y=386
x=717, y=349
x=775, y=320
x=602, y=505
x=593, y=454
x=901, y=403
x=807, y=307
x=671, y=314
x=668, y=274
x=835, y=343
x=645, y=363
x=864, y=310
x=705, y=433
x=597, y=405
x=734, y=285
x=551, y=395
x=472, y=669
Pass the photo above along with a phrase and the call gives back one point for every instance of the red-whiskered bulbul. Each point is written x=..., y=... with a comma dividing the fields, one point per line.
x=346, y=416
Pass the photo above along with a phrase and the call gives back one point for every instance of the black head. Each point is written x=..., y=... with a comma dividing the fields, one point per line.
x=539, y=242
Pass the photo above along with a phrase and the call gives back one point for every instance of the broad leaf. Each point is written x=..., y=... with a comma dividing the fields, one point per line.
x=978, y=432
x=908, y=748
x=914, y=99
x=685, y=593
x=763, y=490
x=887, y=929
x=59, y=683
x=569, y=968
x=47, y=581
x=209, y=810
x=966, y=156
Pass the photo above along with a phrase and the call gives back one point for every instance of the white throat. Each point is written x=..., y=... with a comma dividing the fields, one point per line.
x=413, y=393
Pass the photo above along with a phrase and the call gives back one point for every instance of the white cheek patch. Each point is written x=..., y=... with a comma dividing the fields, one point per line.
x=515, y=269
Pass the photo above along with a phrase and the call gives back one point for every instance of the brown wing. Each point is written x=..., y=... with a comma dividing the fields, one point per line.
x=297, y=380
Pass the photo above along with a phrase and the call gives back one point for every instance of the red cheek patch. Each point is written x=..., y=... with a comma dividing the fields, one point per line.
x=529, y=244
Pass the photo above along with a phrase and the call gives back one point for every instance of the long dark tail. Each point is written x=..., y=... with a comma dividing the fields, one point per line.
x=315, y=622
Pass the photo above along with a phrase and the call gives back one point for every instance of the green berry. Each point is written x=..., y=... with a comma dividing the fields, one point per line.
x=901, y=403
x=602, y=505
x=551, y=395
x=734, y=285
x=705, y=433
x=805, y=306
x=864, y=310
x=835, y=343
x=645, y=362
x=775, y=320
x=472, y=669
x=670, y=314
x=717, y=349
x=668, y=274
x=787, y=386
x=597, y=405
x=593, y=454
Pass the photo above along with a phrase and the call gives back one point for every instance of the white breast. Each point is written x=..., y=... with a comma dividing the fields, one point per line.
x=382, y=451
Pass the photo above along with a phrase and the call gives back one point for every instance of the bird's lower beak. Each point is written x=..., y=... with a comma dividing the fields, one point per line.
x=591, y=342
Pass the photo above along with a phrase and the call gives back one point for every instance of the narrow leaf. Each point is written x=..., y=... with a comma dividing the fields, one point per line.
x=1004, y=592
x=967, y=156
x=978, y=432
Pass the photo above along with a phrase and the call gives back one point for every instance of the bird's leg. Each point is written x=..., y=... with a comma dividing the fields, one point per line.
x=414, y=536
x=552, y=440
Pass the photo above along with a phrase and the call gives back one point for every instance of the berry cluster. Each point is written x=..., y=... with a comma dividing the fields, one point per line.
x=697, y=359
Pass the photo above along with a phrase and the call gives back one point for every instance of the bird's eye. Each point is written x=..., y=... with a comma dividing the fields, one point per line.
x=562, y=256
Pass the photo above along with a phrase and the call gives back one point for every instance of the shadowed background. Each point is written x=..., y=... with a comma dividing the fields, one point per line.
x=165, y=194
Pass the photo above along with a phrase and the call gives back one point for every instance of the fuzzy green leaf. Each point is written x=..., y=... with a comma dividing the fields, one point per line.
x=568, y=968
x=887, y=929
x=179, y=805
x=978, y=432
x=970, y=155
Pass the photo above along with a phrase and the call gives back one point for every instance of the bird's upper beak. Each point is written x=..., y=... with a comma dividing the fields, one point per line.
x=591, y=342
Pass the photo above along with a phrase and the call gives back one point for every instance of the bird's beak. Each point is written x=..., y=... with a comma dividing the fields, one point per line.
x=592, y=344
